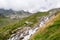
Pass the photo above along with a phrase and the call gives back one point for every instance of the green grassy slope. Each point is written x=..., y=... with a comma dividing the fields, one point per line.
x=6, y=30
x=51, y=32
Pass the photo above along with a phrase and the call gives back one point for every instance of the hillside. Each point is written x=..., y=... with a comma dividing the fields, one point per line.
x=7, y=28
x=40, y=26
x=49, y=31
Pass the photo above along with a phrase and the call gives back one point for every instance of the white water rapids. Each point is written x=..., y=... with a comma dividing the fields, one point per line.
x=29, y=32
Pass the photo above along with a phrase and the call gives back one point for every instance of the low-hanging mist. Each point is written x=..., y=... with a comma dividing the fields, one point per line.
x=30, y=5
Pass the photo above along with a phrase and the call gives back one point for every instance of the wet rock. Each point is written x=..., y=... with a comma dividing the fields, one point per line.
x=26, y=32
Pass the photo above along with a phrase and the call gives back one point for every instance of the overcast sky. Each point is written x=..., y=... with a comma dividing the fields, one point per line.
x=29, y=5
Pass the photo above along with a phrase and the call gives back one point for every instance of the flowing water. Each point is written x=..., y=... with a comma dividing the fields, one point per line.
x=27, y=31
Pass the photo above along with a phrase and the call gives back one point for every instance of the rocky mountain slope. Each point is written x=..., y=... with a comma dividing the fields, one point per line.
x=26, y=27
x=10, y=27
x=14, y=14
x=25, y=35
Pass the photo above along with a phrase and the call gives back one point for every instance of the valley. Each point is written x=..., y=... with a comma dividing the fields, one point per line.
x=30, y=27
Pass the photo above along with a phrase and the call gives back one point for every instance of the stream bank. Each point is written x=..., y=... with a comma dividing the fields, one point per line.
x=26, y=32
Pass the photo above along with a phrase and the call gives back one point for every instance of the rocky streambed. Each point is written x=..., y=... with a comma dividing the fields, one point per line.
x=26, y=32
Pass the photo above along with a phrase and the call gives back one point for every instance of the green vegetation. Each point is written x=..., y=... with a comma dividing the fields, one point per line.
x=35, y=17
x=10, y=25
x=52, y=32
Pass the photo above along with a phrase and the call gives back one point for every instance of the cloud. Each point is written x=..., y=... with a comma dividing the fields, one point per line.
x=29, y=5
